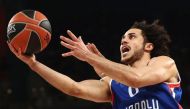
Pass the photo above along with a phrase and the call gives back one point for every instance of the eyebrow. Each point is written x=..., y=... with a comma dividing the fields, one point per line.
x=131, y=34
x=123, y=36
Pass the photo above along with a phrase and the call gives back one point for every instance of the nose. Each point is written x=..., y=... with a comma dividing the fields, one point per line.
x=124, y=41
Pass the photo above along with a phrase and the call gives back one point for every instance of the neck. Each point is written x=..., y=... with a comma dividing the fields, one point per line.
x=143, y=61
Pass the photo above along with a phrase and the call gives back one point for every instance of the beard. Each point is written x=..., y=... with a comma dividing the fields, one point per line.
x=135, y=57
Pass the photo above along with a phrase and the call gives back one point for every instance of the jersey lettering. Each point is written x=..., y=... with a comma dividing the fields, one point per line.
x=130, y=90
x=145, y=104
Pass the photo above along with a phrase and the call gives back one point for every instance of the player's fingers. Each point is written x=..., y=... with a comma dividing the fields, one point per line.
x=80, y=39
x=67, y=45
x=19, y=52
x=67, y=54
x=89, y=47
x=93, y=46
x=67, y=40
x=73, y=37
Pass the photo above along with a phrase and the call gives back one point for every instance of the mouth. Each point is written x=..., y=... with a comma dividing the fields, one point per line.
x=125, y=49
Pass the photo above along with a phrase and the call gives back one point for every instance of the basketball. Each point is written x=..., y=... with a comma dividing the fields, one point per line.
x=29, y=30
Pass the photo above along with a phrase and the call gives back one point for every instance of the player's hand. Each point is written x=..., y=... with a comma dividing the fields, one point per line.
x=29, y=60
x=94, y=49
x=76, y=45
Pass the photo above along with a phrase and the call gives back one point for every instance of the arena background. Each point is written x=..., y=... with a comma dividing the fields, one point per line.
x=99, y=21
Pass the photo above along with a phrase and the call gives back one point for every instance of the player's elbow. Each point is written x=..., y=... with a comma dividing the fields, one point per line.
x=75, y=90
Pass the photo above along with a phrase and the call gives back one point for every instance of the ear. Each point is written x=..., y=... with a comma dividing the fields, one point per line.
x=149, y=46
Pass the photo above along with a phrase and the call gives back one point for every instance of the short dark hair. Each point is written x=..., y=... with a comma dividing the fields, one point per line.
x=155, y=33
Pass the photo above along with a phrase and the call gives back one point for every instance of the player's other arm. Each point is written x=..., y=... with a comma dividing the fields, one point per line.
x=159, y=70
x=93, y=90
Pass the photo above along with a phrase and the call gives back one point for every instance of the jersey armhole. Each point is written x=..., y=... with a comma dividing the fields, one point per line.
x=112, y=96
x=110, y=87
x=174, y=83
x=109, y=83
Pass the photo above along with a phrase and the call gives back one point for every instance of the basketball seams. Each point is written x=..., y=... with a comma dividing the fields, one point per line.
x=34, y=17
x=42, y=27
x=28, y=40
x=29, y=17
x=39, y=20
x=42, y=20
x=30, y=24
x=17, y=34
x=38, y=37
x=45, y=30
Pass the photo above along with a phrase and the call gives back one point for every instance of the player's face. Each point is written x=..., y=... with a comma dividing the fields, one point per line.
x=132, y=46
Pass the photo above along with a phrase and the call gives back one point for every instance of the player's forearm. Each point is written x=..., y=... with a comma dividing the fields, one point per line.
x=59, y=81
x=119, y=72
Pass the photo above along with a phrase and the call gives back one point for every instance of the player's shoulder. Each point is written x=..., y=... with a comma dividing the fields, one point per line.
x=166, y=58
x=162, y=59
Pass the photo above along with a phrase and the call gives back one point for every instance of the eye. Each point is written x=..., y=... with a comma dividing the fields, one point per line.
x=132, y=36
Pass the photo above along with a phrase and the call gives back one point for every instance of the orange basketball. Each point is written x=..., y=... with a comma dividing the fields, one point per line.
x=29, y=30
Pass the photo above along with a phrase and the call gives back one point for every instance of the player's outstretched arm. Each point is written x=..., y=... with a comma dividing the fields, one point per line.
x=162, y=69
x=93, y=90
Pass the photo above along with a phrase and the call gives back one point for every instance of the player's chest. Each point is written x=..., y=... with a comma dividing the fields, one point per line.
x=126, y=93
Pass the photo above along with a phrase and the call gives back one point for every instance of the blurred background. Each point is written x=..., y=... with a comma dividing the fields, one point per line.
x=102, y=22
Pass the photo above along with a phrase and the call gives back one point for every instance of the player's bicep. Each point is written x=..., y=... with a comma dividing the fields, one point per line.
x=95, y=90
x=159, y=71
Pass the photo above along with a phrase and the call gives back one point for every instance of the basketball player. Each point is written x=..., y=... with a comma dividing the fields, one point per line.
x=147, y=79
